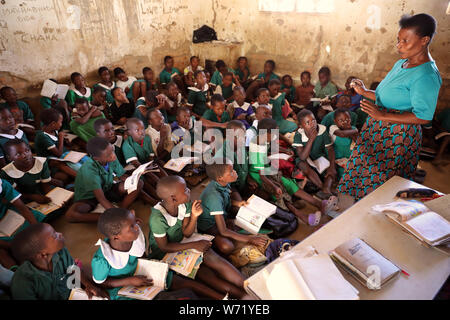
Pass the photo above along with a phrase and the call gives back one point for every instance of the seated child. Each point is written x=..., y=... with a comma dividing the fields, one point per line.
x=160, y=134
x=124, y=82
x=172, y=100
x=227, y=86
x=262, y=112
x=78, y=91
x=20, y=111
x=216, y=117
x=99, y=99
x=242, y=71
x=273, y=186
x=216, y=203
x=184, y=123
x=50, y=142
x=288, y=88
x=342, y=134
x=342, y=102
x=218, y=75
x=350, y=91
x=141, y=86
x=175, y=218
x=239, y=109
x=106, y=83
x=194, y=65
x=313, y=141
x=323, y=89
x=83, y=118
x=198, y=95
x=304, y=92
x=279, y=107
x=122, y=108
x=59, y=104
x=262, y=79
x=45, y=264
x=105, y=129
x=100, y=181
x=170, y=73
x=8, y=132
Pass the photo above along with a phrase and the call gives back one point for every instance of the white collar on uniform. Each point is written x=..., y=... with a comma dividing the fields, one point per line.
x=243, y=107
x=54, y=138
x=106, y=87
x=87, y=95
x=256, y=105
x=205, y=88
x=18, y=135
x=277, y=96
x=15, y=173
x=322, y=129
x=171, y=220
x=119, y=259
x=119, y=141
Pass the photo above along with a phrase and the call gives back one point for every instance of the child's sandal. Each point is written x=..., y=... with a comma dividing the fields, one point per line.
x=314, y=218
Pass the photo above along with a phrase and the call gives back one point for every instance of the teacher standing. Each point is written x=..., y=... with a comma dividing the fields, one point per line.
x=390, y=140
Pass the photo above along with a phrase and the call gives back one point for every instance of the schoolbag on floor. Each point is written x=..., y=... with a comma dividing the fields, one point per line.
x=282, y=223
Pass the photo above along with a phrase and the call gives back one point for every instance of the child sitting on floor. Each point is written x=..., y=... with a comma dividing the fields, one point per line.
x=342, y=102
x=304, y=92
x=198, y=95
x=216, y=203
x=8, y=132
x=124, y=82
x=160, y=134
x=169, y=73
x=221, y=69
x=216, y=117
x=100, y=181
x=280, y=108
x=105, y=129
x=78, y=91
x=288, y=88
x=122, y=108
x=324, y=88
x=262, y=80
x=58, y=103
x=175, y=218
x=242, y=71
x=20, y=111
x=227, y=86
x=106, y=83
x=262, y=112
x=194, y=65
x=313, y=142
x=83, y=118
x=239, y=109
x=45, y=264
x=184, y=124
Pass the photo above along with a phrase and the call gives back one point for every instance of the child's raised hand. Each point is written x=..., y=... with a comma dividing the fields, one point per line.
x=201, y=245
x=140, y=281
x=197, y=209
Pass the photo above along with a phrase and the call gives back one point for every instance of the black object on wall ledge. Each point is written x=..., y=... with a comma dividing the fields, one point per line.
x=204, y=34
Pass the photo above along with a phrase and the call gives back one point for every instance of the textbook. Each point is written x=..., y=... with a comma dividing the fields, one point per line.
x=50, y=88
x=197, y=147
x=80, y=294
x=187, y=262
x=252, y=216
x=71, y=156
x=178, y=164
x=152, y=269
x=279, y=156
x=69, y=136
x=59, y=197
x=321, y=164
x=414, y=217
x=131, y=183
x=308, y=278
x=10, y=223
x=359, y=260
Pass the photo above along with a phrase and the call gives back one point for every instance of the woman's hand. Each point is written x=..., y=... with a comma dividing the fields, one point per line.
x=372, y=110
x=359, y=86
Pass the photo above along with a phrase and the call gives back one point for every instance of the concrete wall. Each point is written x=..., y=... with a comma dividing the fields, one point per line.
x=43, y=38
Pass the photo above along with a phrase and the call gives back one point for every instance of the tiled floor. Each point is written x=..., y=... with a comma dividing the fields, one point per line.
x=81, y=238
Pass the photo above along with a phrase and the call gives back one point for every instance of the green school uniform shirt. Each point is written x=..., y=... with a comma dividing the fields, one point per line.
x=210, y=115
x=328, y=120
x=341, y=147
x=330, y=89
x=291, y=96
x=165, y=76
x=215, y=201
x=216, y=78
x=320, y=144
x=240, y=74
x=277, y=103
x=6, y=137
x=109, y=96
x=73, y=94
x=162, y=224
x=23, y=106
x=85, y=131
x=413, y=90
x=44, y=142
x=262, y=75
x=197, y=99
x=28, y=182
x=46, y=102
x=226, y=92
x=240, y=163
x=30, y=283
x=92, y=176
x=118, y=149
x=134, y=151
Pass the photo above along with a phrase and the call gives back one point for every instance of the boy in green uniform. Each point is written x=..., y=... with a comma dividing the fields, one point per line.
x=160, y=134
x=313, y=141
x=8, y=132
x=198, y=95
x=101, y=180
x=169, y=72
x=278, y=101
x=80, y=91
x=175, y=218
x=45, y=264
x=216, y=203
x=323, y=89
x=83, y=118
x=226, y=88
x=184, y=123
x=106, y=83
x=105, y=129
x=217, y=77
x=216, y=117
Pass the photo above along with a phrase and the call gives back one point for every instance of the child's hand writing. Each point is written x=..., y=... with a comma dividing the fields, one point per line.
x=197, y=209
x=140, y=281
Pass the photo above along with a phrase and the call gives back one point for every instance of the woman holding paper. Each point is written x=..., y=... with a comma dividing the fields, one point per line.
x=390, y=139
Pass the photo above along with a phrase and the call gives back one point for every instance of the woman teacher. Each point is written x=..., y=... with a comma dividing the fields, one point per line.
x=390, y=140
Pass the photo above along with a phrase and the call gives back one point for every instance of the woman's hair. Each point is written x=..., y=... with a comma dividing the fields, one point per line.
x=101, y=69
x=423, y=24
x=111, y=220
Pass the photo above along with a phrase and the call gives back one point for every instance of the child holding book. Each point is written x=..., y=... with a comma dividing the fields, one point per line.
x=175, y=218
x=100, y=181
x=198, y=95
x=106, y=83
x=105, y=129
x=8, y=131
x=227, y=86
x=216, y=117
x=79, y=90
x=242, y=71
x=83, y=118
x=216, y=205
x=324, y=88
x=169, y=72
x=313, y=141
x=239, y=109
x=160, y=134
x=45, y=263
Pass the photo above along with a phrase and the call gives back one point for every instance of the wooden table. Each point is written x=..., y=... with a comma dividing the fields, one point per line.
x=428, y=268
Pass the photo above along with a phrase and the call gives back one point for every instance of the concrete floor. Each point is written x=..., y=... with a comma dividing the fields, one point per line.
x=81, y=238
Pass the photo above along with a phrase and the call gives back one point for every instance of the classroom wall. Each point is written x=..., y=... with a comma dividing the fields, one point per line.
x=52, y=38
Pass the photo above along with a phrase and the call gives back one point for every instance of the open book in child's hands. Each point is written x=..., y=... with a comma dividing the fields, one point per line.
x=152, y=269
x=321, y=164
x=251, y=216
x=59, y=197
x=50, y=88
x=178, y=164
x=10, y=223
